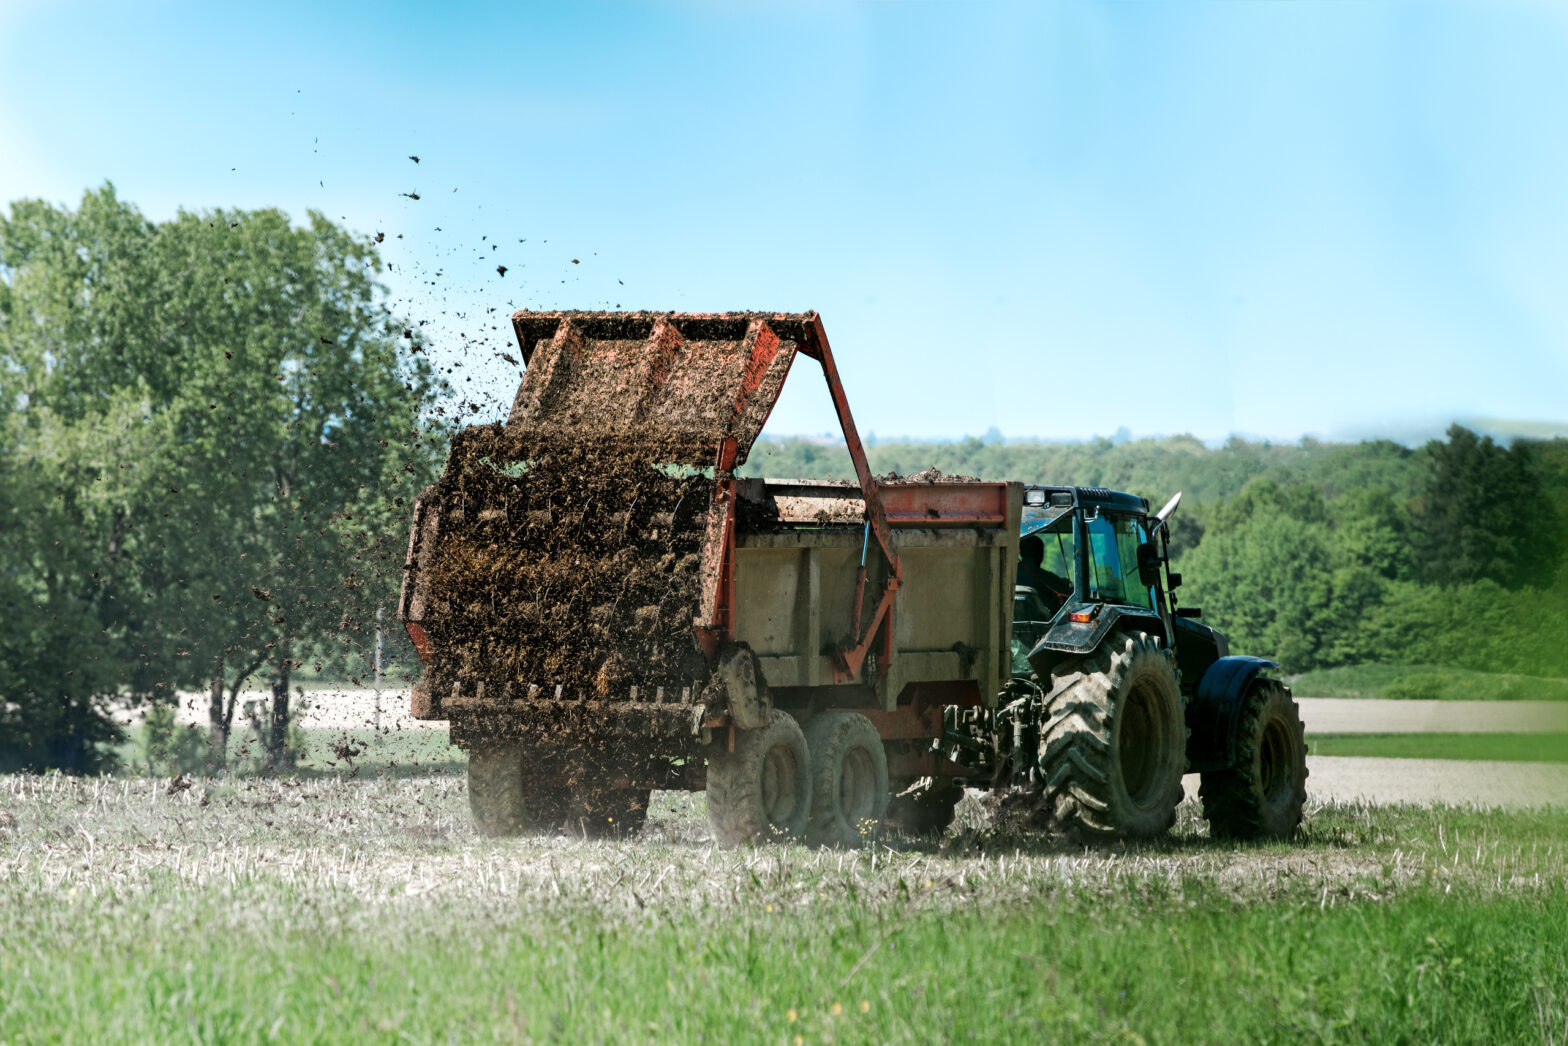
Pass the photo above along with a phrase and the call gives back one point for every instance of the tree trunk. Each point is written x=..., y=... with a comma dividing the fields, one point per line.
x=218, y=722
x=279, y=755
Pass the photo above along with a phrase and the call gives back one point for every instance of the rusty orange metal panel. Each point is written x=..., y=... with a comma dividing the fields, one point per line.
x=902, y=724
x=680, y=381
x=935, y=504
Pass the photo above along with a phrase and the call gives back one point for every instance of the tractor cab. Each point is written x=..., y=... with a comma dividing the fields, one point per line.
x=1112, y=556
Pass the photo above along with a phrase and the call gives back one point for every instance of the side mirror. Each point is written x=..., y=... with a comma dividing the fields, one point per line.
x=1148, y=564
x=1189, y=612
x=1174, y=580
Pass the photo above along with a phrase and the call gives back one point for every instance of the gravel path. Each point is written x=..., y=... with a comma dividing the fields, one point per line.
x=1359, y=715
x=1512, y=785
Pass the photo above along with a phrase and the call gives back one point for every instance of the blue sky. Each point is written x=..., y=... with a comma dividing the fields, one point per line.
x=1050, y=219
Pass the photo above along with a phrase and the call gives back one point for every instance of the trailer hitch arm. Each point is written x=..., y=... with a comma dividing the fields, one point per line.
x=849, y=659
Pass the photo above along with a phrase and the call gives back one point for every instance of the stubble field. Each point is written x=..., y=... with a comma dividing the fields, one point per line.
x=338, y=909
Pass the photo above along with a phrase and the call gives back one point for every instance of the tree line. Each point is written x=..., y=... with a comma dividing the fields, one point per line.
x=1318, y=554
x=210, y=430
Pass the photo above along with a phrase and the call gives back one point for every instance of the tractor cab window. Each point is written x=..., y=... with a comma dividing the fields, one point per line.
x=1059, y=558
x=1046, y=562
x=1113, y=560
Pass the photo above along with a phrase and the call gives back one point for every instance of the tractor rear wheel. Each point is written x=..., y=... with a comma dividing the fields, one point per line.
x=1113, y=743
x=1261, y=796
x=498, y=793
x=762, y=790
x=848, y=779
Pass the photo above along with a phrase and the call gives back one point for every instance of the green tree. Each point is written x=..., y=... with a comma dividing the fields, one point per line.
x=1292, y=577
x=1267, y=582
x=213, y=408
x=1372, y=530
x=1483, y=514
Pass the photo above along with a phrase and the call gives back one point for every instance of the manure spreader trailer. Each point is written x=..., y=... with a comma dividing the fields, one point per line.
x=603, y=608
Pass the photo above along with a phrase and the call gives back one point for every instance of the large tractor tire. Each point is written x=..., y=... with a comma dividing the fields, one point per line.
x=925, y=808
x=761, y=791
x=607, y=813
x=1261, y=796
x=1113, y=743
x=849, y=792
x=499, y=796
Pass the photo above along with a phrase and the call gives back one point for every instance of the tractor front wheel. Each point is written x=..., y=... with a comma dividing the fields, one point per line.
x=1261, y=795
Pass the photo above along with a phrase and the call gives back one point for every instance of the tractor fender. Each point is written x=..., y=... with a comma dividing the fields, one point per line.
x=1068, y=638
x=1213, y=710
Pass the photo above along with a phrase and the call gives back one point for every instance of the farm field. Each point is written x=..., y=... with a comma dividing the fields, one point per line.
x=1510, y=770
x=344, y=910
x=1494, y=747
x=1426, y=682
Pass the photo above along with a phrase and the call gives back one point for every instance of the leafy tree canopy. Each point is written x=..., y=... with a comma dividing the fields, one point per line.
x=209, y=424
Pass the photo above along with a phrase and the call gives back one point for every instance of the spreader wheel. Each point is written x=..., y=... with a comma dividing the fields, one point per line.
x=849, y=793
x=761, y=791
x=503, y=798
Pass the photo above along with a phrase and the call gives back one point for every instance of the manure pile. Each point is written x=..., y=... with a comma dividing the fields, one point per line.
x=570, y=563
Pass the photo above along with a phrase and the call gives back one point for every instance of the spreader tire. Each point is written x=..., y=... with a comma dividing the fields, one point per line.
x=1261, y=796
x=925, y=808
x=848, y=779
x=497, y=793
x=1113, y=745
x=762, y=790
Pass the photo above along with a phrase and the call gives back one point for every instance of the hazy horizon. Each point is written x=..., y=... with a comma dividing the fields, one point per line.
x=1413, y=435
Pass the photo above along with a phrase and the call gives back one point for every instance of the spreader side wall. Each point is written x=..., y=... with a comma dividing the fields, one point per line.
x=952, y=620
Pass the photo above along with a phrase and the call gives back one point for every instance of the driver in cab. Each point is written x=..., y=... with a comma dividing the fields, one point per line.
x=1053, y=588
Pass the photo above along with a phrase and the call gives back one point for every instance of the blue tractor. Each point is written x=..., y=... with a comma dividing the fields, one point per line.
x=1117, y=692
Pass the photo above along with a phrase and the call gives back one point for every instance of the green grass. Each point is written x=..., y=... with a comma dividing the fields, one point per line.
x=1423, y=969
x=335, y=910
x=1428, y=682
x=1506, y=748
